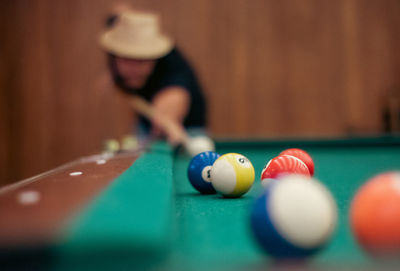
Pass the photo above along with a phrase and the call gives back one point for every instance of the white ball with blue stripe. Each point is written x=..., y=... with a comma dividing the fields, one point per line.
x=294, y=217
x=199, y=171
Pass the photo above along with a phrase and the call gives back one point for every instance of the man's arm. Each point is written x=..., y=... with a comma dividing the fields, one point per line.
x=172, y=102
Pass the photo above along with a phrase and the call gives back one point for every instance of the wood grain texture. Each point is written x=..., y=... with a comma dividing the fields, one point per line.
x=48, y=201
x=7, y=81
x=63, y=104
x=269, y=69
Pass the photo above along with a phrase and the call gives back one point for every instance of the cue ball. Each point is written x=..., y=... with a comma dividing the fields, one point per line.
x=283, y=165
x=199, y=144
x=232, y=175
x=303, y=156
x=294, y=217
x=199, y=171
x=375, y=215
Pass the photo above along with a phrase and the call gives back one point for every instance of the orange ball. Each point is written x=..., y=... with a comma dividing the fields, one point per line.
x=303, y=156
x=375, y=215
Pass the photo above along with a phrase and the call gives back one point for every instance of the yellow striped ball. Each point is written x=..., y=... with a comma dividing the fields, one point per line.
x=232, y=175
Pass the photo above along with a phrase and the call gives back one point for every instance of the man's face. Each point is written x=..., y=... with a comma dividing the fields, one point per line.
x=135, y=72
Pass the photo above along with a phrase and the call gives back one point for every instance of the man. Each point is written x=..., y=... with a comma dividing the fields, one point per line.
x=144, y=62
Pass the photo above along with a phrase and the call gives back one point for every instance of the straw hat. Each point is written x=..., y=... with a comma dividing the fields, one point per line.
x=136, y=35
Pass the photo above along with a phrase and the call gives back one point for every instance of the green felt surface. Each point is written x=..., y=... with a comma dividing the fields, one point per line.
x=213, y=233
x=151, y=217
x=128, y=223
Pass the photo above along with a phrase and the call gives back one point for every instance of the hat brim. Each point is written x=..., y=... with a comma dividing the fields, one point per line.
x=151, y=49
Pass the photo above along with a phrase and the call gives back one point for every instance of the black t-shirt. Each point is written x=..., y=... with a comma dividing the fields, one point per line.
x=170, y=70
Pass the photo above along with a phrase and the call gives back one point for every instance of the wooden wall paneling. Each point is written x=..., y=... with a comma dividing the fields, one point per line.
x=312, y=69
x=268, y=68
x=64, y=109
x=200, y=31
x=11, y=65
x=3, y=106
x=4, y=121
x=239, y=27
x=353, y=86
x=87, y=100
x=381, y=69
x=5, y=86
x=33, y=98
x=218, y=71
x=371, y=62
x=394, y=91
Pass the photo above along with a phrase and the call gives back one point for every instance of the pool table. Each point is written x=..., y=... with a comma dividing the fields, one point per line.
x=137, y=210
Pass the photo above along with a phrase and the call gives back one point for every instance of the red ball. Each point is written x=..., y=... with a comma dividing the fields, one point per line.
x=303, y=156
x=283, y=165
x=375, y=215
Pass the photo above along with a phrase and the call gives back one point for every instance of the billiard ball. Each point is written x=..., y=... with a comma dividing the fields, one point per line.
x=375, y=215
x=199, y=171
x=111, y=146
x=129, y=143
x=198, y=144
x=294, y=217
x=303, y=156
x=283, y=165
x=232, y=175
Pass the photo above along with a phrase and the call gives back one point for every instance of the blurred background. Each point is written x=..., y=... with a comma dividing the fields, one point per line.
x=269, y=69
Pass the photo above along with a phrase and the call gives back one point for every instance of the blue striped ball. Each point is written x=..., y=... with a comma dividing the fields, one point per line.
x=294, y=217
x=199, y=171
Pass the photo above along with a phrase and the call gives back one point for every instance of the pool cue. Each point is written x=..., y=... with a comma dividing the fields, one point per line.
x=144, y=108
